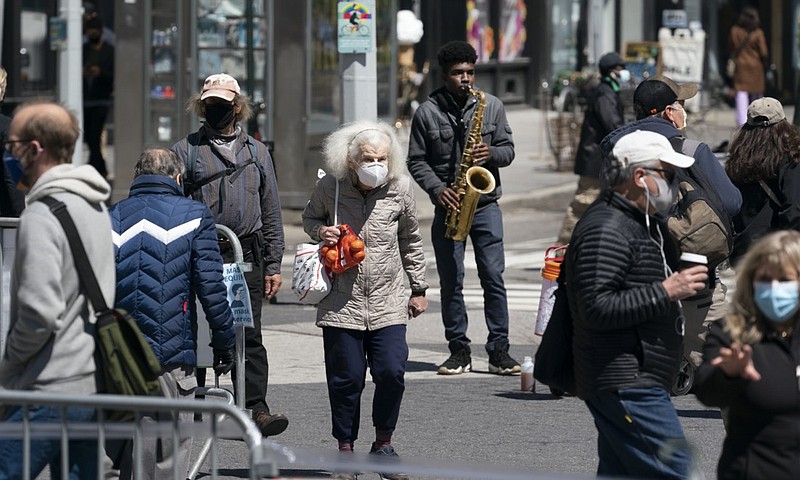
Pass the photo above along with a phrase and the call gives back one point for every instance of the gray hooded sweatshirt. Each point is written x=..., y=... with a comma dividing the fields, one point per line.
x=48, y=347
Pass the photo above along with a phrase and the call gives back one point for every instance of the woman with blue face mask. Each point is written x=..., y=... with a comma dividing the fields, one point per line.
x=751, y=364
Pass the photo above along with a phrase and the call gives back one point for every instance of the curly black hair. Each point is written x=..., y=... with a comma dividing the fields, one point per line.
x=455, y=52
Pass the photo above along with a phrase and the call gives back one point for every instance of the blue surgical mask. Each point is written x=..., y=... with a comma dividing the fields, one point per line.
x=778, y=301
x=624, y=76
x=14, y=168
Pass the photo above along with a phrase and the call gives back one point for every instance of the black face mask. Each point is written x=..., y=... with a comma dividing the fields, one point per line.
x=219, y=116
x=94, y=39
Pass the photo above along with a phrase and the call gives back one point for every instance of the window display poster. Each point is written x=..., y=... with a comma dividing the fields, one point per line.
x=480, y=34
x=642, y=59
x=512, y=30
x=356, y=26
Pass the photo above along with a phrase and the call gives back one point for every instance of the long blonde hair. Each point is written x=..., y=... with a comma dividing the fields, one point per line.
x=745, y=323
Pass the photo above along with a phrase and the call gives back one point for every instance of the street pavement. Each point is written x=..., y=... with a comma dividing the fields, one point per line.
x=475, y=425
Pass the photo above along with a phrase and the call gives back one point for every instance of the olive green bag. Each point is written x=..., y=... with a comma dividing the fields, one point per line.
x=126, y=364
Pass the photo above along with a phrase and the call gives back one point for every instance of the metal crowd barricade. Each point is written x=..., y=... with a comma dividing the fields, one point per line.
x=8, y=227
x=238, y=257
x=265, y=456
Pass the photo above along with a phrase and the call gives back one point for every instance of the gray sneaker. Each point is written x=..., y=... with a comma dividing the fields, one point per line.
x=387, y=453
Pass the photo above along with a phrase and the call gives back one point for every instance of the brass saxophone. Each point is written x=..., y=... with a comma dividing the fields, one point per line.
x=472, y=180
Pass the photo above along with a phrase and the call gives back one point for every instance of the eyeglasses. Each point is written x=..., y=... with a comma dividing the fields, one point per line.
x=668, y=174
x=10, y=143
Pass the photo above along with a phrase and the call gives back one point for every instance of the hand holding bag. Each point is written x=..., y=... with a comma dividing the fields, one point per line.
x=311, y=279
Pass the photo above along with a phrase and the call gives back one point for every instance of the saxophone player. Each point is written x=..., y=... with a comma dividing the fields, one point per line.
x=440, y=147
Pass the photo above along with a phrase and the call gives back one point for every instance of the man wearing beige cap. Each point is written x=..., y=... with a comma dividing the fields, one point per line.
x=623, y=293
x=233, y=174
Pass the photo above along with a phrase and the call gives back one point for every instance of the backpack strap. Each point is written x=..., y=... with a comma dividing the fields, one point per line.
x=188, y=182
x=82, y=265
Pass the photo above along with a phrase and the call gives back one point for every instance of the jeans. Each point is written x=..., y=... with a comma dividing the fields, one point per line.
x=347, y=355
x=82, y=454
x=486, y=235
x=743, y=100
x=639, y=434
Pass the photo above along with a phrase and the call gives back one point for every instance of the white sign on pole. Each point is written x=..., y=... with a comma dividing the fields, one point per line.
x=356, y=26
x=238, y=295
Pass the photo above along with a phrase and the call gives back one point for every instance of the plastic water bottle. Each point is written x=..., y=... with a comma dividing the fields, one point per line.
x=528, y=384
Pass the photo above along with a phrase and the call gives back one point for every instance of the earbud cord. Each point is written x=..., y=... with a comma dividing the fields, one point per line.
x=680, y=321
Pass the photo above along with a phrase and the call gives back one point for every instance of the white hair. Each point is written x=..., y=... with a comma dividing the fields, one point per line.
x=345, y=143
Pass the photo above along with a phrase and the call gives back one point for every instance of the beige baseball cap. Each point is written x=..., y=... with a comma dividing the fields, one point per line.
x=764, y=112
x=220, y=85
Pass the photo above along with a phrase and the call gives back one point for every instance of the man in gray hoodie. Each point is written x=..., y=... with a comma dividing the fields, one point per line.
x=49, y=347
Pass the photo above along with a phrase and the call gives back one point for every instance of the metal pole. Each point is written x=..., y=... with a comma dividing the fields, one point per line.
x=70, y=67
x=360, y=82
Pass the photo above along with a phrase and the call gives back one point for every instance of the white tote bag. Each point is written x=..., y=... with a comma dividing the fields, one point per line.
x=311, y=281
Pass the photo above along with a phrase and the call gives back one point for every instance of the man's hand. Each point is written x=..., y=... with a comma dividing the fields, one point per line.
x=481, y=153
x=223, y=361
x=272, y=283
x=449, y=199
x=686, y=283
x=737, y=361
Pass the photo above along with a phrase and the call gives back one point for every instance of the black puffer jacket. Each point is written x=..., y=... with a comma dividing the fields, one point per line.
x=603, y=115
x=626, y=328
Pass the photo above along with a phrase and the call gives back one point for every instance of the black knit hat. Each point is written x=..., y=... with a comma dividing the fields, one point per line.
x=609, y=61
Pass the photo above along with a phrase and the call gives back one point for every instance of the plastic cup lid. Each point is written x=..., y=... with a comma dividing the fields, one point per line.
x=694, y=258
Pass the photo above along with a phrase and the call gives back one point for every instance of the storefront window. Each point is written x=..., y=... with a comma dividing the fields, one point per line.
x=512, y=30
x=36, y=59
x=480, y=33
x=566, y=14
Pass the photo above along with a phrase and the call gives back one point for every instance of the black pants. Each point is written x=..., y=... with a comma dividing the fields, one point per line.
x=94, y=119
x=256, y=366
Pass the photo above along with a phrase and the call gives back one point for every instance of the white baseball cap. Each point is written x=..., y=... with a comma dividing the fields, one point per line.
x=220, y=85
x=644, y=146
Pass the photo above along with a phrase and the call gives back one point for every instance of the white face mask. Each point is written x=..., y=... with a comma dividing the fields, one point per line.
x=624, y=76
x=372, y=174
x=666, y=195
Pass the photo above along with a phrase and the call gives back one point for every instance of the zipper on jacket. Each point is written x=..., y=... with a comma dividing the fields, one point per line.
x=363, y=264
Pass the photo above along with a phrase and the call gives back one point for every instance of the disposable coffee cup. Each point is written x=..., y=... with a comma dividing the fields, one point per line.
x=692, y=259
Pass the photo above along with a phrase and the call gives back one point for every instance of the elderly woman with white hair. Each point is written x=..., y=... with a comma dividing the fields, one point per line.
x=364, y=317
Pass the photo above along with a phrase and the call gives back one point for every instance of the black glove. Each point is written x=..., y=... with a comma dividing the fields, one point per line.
x=223, y=361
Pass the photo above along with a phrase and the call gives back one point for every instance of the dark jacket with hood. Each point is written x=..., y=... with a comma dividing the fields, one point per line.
x=625, y=326
x=438, y=133
x=705, y=159
x=603, y=115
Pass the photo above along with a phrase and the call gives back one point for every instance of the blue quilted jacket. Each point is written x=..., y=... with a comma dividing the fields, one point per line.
x=166, y=252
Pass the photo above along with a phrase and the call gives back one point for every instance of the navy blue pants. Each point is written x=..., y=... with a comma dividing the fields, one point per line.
x=639, y=434
x=487, y=240
x=347, y=355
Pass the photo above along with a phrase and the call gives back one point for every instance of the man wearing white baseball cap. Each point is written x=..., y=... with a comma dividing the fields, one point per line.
x=623, y=296
x=233, y=174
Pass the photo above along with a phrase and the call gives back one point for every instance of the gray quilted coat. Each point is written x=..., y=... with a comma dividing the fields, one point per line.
x=372, y=295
